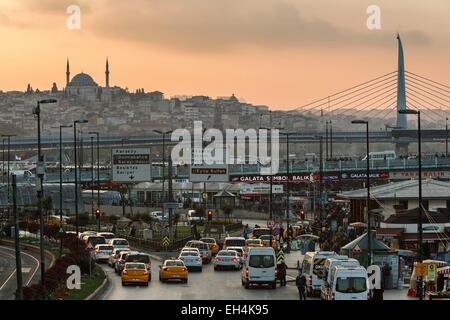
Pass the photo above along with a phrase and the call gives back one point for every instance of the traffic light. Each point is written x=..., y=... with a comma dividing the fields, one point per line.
x=97, y=212
x=302, y=214
x=210, y=214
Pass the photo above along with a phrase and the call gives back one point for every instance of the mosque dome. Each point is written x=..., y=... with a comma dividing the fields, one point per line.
x=82, y=80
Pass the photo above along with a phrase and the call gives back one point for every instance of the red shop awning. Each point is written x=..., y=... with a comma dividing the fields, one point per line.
x=389, y=232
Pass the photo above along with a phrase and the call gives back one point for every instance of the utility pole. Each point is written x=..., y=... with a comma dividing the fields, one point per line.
x=326, y=140
x=19, y=291
x=92, y=177
x=8, y=137
x=331, y=140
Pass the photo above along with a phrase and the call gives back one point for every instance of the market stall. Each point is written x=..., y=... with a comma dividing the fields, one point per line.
x=427, y=272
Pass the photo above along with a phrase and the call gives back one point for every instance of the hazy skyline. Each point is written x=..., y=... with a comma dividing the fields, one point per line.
x=281, y=53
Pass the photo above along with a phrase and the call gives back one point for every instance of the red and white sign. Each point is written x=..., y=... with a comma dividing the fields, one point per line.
x=414, y=174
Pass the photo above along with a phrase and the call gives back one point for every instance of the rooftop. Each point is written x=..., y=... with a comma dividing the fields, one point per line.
x=431, y=189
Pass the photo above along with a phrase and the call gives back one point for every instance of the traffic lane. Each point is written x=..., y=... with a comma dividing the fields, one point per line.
x=7, y=271
x=205, y=285
x=30, y=271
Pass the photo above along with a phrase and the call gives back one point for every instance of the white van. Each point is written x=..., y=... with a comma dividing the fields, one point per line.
x=326, y=276
x=313, y=267
x=349, y=283
x=260, y=267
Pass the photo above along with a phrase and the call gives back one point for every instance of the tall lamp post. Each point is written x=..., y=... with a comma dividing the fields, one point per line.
x=446, y=137
x=419, y=224
x=76, y=181
x=164, y=133
x=288, y=204
x=8, y=137
x=3, y=160
x=60, y=182
x=369, y=228
x=40, y=172
x=98, y=174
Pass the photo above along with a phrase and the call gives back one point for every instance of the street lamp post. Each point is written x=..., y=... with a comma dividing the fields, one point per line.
x=326, y=140
x=288, y=205
x=60, y=182
x=76, y=182
x=98, y=175
x=164, y=133
x=419, y=224
x=92, y=177
x=8, y=137
x=446, y=137
x=369, y=228
x=40, y=172
x=3, y=160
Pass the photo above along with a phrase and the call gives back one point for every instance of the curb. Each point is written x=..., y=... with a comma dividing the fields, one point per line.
x=101, y=289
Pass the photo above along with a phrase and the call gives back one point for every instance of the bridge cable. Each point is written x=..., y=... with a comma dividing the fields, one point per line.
x=388, y=75
x=418, y=88
x=443, y=85
x=423, y=84
x=386, y=84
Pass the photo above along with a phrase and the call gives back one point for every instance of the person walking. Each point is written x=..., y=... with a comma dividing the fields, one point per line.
x=300, y=282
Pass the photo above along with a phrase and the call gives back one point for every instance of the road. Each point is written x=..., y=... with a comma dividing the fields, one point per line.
x=30, y=271
x=213, y=285
x=205, y=285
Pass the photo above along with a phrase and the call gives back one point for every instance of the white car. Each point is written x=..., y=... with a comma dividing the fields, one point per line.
x=102, y=252
x=107, y=235
x=115, y=255
x=159, y=215
x=191, y=249
x=119, y=243
x=227, y=259
x=242, y=254
x=192, y=260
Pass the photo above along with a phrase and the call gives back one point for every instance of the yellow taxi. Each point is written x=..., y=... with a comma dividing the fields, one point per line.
x=173, y=270
x=266, y=241
x=212, y=244
x=135, y=272
x=254, y=243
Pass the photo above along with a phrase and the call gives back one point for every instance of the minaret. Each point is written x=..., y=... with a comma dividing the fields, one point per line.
x=67, y=73
x=107, y=73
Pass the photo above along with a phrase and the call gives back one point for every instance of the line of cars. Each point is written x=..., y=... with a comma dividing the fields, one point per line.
x=134, y=267
x=334, y=276
x=257, y=261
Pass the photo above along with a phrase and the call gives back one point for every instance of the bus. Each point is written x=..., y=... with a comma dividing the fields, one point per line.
x=383, y=155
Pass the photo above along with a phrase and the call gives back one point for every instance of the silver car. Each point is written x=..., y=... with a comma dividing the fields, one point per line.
x=203, y=247
x=192, y=260
x=227, y=259
x=102, y=252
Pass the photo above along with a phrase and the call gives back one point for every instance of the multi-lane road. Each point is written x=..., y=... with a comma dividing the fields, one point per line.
x=8, y=280
x=205, y=285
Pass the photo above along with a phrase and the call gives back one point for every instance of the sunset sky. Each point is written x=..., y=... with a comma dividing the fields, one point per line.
x=280, y=53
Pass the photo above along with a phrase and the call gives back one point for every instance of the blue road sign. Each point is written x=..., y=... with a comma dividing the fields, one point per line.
x=173, y=205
